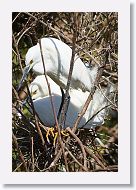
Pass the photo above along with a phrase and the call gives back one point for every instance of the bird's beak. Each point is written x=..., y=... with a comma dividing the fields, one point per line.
x=25, y=73
x=26, y=100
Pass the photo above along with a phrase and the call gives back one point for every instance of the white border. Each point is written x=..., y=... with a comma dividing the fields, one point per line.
x=120, y=177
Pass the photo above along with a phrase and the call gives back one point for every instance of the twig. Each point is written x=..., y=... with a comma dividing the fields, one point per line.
x=100, y=71
x=109, y=169
x=16, y=17
x=18, y=54
x=22, y=35
x=16, y=95
x=35, y=116
x=84, y=168
x=107, y=97
x=80, y=115
x=19, y=152
x=24, y=27
x=80, y=144
x=90, y=39
x=90, y=97
x=49, y=89
x=61, y=34
x=55, y=160
x=94, y=116
x=113, y=74
x=94, y=157
x=22, y=115
x=53, y=108
x=32, y=142
x=65, y=104
x=104, y=29
x=18, y=167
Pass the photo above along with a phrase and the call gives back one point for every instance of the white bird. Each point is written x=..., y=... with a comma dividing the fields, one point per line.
x=57, y=57
x=42, y=104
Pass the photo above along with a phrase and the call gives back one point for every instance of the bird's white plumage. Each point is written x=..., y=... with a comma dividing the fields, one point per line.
x=57, y=57
x=41, y=99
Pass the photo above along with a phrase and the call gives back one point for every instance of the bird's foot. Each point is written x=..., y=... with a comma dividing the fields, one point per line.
x=52, y=132
x=63, y=132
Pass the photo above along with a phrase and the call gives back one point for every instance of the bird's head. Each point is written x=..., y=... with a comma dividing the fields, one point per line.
x=32, y=58
x=35, y=91
x=38, y=88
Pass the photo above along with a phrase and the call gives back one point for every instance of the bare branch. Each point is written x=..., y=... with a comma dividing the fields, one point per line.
x=19, y=152
x=53, y=108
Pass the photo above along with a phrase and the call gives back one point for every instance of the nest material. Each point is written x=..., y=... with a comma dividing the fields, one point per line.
x=97, y=36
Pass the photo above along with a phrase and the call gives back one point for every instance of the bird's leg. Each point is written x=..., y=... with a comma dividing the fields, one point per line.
x=63, y=132
x=63, y=108
x=66, y=108
x=62, y=102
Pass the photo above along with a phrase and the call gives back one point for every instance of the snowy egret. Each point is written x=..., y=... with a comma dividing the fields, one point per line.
x=41, y=100
x=57, y=56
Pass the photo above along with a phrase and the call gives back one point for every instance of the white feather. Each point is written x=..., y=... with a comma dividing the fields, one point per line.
x=57, y=57
x=42, y=103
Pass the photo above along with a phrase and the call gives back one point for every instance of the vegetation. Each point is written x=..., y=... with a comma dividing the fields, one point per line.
x=95, y=37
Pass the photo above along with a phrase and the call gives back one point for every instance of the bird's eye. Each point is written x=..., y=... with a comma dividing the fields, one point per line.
x=31, y=62
x=34, y=92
